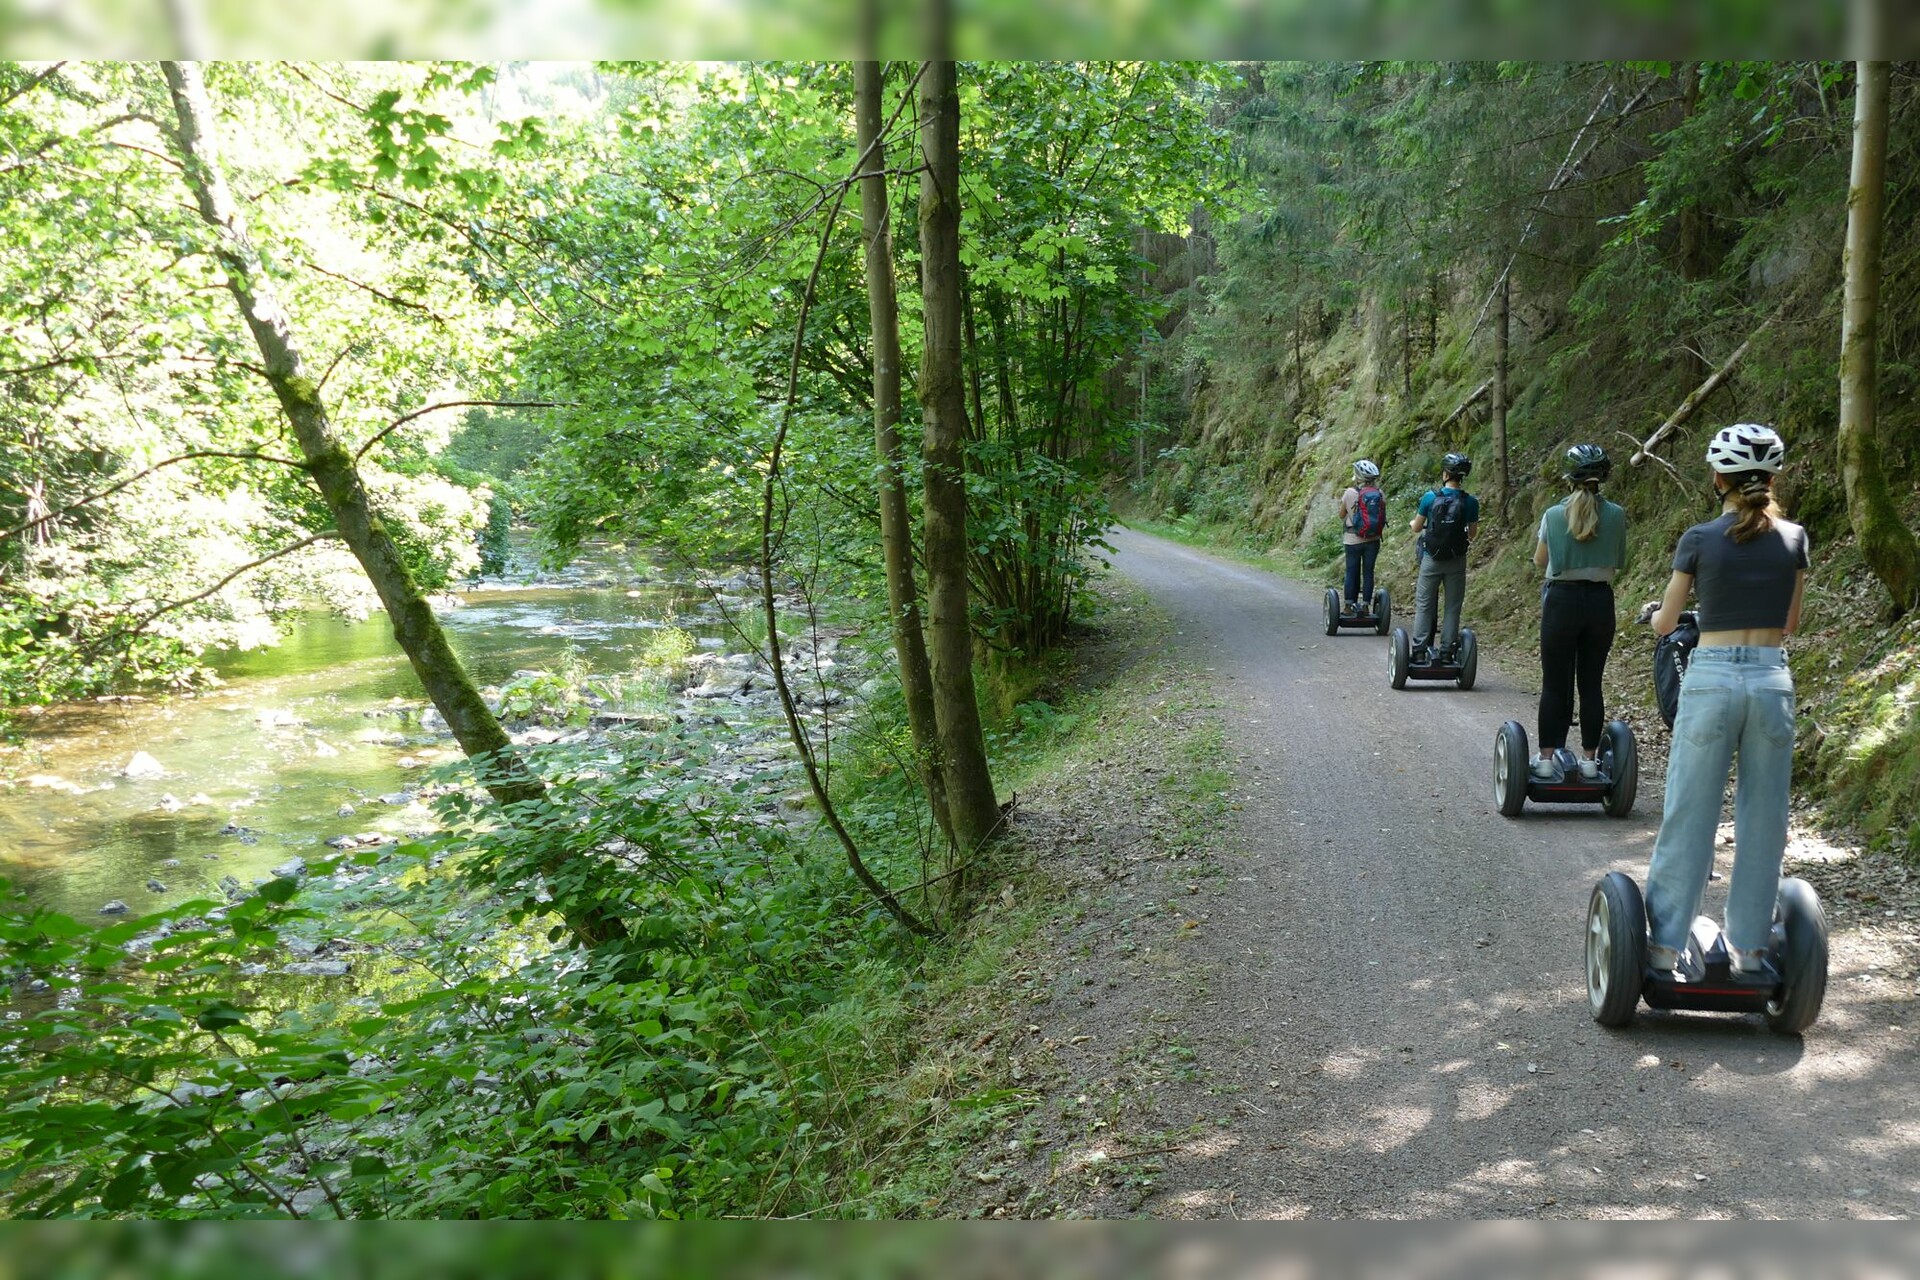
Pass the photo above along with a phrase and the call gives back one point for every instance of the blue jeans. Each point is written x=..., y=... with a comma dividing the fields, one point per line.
x=1735, y=701
x=1360, y=558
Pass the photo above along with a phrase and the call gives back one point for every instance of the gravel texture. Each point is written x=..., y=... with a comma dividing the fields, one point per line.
x=1365, y=996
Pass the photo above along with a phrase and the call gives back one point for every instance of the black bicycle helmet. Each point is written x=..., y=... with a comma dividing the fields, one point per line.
x=1588, y=462
x=1457, y=464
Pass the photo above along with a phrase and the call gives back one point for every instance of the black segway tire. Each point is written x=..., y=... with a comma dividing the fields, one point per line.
x=1469, y=652
x=1616, y=949
x=1333, y=611
x=1382, y=611
x=1803, y=963
x=1399, y=656
x=1510, y=769
x=1623, y=769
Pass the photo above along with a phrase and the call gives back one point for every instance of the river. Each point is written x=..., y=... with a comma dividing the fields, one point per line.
x=266, y=766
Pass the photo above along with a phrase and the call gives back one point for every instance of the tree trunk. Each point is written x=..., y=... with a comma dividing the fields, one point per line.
x=332, y=467
x=896, y=528
x=1693, y=219
x=1406, y=345
x=1500, y=326
x=963, y=756
x=1885, y=542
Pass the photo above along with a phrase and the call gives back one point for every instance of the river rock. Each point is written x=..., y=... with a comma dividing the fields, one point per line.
x=647, y=720
x=232, y=888
x=171, y=862
x=291, y=869
x=317, y=969
x=710, y=642
x=274, y=718
x=344, y=811
x=114, y=908
x=54, y=782
x=143, y=767
x=155, y=886
x=169, y=804
x=397, y=798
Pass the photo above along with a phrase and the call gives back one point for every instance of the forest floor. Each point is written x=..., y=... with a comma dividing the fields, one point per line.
x=1284, y=959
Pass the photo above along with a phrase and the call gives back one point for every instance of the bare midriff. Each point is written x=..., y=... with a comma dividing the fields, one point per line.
x=1756, y=637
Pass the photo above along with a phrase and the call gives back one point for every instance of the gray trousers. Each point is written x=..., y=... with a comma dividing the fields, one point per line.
x=1447, y=575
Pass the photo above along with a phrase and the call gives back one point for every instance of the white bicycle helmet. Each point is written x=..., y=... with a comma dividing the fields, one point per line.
x=1746, y=446
x=1365, y=470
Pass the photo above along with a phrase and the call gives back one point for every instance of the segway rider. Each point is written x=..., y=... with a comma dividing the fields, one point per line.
x=1446, y=522
x=1582, y=544
x=1748, y=569
x=1363, y=517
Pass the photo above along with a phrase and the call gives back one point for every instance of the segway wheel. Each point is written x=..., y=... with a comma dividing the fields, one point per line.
x=1804, y=960
x=1469, y=659
x=1399, y=656
x=1333, y=611
x=1382, y=611
x=1616, y=949
x=1623, y=769
x=1510, y=769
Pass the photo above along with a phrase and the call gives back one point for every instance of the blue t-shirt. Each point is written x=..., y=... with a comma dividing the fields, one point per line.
x=1469, y=503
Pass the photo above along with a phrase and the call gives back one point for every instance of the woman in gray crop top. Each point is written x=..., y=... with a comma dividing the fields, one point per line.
x=1749, y=570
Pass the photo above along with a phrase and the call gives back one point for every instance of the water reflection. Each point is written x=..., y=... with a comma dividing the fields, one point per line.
x=300, y=745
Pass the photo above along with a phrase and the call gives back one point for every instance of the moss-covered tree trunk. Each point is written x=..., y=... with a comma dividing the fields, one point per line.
x=1886, y=544
x=896, y=527
x=331, y=465
x=963, y=755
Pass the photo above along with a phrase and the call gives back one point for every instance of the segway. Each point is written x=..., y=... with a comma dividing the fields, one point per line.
x=1378, y=620
x=1613, y=788
x=1787, y=990
x=1459, y=665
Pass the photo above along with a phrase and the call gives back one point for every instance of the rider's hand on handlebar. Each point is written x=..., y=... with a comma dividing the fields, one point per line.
x=1647, y=611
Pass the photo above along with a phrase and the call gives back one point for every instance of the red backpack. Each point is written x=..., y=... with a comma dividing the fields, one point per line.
x=1369, y=514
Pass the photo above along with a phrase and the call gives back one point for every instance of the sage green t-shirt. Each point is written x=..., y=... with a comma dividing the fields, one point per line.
x=1597, y=559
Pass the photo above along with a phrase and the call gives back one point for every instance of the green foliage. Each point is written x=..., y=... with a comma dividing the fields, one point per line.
x=496, y=547
x=144, y=463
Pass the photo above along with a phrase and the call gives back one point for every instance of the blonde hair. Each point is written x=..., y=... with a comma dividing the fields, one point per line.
x=1753, y=500
x=1583, y=512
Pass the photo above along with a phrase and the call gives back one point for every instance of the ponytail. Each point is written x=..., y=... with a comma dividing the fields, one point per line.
x=1752, y=498
x=1583, y=511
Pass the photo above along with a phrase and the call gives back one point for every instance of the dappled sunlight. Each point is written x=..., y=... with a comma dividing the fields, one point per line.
x=1479, y=1100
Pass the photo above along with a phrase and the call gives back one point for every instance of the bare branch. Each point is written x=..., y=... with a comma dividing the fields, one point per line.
x=381, y=294
x=171, y=605
x=112, y=489
x=34, y=83
x=399, y=422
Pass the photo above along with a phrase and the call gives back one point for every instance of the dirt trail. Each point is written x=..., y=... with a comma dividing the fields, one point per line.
x=1375, y=1003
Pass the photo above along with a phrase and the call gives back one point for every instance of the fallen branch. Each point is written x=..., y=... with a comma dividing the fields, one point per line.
x=1478, y=394
x=1713, y=383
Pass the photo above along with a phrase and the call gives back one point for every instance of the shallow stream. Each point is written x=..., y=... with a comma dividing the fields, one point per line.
x=300, y=743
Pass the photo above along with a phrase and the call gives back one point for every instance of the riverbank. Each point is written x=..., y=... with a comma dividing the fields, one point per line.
x=757, y=1049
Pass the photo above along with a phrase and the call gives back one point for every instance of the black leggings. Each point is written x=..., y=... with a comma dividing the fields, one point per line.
x=1576, y=631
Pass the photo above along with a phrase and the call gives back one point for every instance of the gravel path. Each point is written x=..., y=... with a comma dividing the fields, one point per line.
x=1378, y=993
